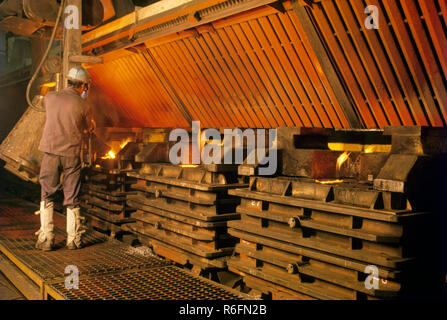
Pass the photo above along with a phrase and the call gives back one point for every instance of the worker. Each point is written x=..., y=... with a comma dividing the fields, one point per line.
x=67, y=118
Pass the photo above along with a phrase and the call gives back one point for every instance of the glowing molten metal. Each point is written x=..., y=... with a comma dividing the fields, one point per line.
x=110, y=155
x=329, y=181
x=124, y=143
x=115, y=149
x=342, y=159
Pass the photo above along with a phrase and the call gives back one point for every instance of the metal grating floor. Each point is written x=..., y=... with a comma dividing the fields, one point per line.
x=95, y=258
x=16, y=218
x=108, y=269
x=166, y=283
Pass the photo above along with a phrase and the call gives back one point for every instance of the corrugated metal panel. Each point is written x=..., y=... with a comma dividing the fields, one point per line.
x=393, y=73
x=258, y=69
x=137, y=93
x=251, y=73
x=239, y=72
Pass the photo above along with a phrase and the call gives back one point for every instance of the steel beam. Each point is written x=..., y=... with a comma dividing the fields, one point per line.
x=160, y=19
x=326, y=64
x=30, y=290
x=72, y=42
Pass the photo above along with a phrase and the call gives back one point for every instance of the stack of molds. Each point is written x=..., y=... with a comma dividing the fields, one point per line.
x=182, y=212
x=105, y=183
x=103, y=199
x=366, y=227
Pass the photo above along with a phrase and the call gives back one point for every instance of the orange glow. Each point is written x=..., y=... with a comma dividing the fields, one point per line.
x=124, y=143
x=377, y=148
x=342, y=159
x=110, y=155
x=369, y=149
x=97, y=166
x=116, y=148
x=189, y=165
x=329, y=181
x=49, y=85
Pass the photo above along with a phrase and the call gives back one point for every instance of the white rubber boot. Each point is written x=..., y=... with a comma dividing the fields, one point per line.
x=45, y=240
x=75, y=228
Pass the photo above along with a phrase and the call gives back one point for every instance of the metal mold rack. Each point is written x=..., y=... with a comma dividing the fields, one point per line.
x=316, y=240
x=104, y=199
x=273, y=290
x=317, y=229
x=183, y=213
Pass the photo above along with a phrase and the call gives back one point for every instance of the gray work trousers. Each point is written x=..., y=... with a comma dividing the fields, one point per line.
x=50, y=171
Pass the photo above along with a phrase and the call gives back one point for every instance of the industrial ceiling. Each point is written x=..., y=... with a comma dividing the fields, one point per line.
x=292, y=64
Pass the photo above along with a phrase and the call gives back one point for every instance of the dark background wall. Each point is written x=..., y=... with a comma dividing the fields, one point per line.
x=15, y=63
x=12, y=106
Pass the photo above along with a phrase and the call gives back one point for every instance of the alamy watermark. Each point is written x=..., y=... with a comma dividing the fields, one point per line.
x=72, y=18
x=235, y=144
x=372, y=280
x=372, y=21
x=72, y=278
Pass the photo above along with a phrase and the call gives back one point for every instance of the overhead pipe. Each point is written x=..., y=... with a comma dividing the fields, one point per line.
x=36, y=72
x=47, y=10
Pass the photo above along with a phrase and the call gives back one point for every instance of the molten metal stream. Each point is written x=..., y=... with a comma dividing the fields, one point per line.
x=342, y=159
x=329, y=181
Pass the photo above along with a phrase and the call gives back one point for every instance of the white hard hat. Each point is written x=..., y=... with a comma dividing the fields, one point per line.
x=78, y=74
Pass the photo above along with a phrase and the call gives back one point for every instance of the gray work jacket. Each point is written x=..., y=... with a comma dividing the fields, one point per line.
x=67, y=116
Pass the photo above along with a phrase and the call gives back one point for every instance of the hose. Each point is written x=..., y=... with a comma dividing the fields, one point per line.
x=36, y=72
